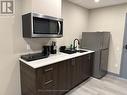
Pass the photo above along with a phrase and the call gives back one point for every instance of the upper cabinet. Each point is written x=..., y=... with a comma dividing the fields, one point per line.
x=46, y=7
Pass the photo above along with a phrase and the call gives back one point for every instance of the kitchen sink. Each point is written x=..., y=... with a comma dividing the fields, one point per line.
x=81, y=51
x=69, y=51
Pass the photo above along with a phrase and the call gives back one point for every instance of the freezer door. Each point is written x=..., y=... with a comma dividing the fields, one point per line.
x=95, y=40
x=106, y=40
x=92, y=40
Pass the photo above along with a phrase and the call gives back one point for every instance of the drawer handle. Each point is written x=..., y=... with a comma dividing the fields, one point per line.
x=50, y=69
x=48, y=82
x=89, y=57
x=73, y=62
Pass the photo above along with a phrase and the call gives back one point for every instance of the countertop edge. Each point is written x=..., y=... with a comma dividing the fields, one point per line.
x=40, y=63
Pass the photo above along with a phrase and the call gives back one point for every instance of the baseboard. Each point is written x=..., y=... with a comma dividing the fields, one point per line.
x=110, y=73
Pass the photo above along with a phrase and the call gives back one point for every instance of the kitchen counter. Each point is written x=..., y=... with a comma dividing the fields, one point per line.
x=54, y=58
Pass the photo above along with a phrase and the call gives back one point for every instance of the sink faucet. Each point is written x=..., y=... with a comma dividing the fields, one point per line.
x=74, y=47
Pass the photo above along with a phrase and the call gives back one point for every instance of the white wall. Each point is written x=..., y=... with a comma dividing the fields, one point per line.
x=75, y=22
x=12, y=44
x=110, y=19
x=9, y=68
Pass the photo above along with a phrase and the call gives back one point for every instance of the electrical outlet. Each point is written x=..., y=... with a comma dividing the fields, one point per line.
x=117, y=48
x=116, y=65
x=28, y=47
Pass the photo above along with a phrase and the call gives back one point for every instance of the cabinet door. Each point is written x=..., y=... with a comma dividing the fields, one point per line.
x=86, y=66
x=63, y=77
x=74, y=70
x=47, y=7
x=81, y=69
x=46, y=80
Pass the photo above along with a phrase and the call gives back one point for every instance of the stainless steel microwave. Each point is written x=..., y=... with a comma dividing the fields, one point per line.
x=39, y=26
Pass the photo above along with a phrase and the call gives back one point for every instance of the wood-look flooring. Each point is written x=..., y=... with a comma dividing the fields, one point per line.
x=109, y=85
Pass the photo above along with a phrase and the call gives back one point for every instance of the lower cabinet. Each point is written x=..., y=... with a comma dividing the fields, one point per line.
x=64, y=78
x=86, y=65
x=81, y=69
x=75, y=71
x=47, y=80
x=56, y=79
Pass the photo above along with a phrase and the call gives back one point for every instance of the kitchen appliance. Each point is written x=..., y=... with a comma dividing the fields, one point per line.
x=46, y=50
x=38, y=25
x=35, y=56
x=53, y=48
x=62, y=48
x=98, y=42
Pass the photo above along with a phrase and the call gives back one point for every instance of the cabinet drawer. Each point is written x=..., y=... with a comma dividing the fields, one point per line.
x=46, y=77
x=50, y=91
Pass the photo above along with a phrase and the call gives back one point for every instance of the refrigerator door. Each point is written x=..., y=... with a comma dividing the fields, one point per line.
x=104, y=62
x=100, y=63
x=96, y=65
x=99, y=42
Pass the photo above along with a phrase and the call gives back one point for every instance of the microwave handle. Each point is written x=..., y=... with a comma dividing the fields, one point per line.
x=59, y=25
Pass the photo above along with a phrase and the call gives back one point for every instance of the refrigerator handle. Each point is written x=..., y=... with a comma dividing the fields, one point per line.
x=102, y=43
x=100, y=60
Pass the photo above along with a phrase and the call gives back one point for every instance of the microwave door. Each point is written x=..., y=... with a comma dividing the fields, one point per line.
x=47, y=28
x=40, y=26
x=54, y=27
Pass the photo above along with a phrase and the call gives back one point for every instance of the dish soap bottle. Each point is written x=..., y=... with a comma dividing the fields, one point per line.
x=53, y=48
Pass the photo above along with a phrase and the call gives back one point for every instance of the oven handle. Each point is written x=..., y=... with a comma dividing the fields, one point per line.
x=59, y=27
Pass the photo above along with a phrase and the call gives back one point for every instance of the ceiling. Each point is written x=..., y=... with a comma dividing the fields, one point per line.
x=90, y=4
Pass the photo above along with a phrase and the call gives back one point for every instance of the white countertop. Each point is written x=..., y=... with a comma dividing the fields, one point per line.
x=54, y=58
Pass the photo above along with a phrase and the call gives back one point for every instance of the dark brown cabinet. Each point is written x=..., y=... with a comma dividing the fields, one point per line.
x=81, y=69
x=47, y=80
x=75, y=71
x=56, y=79
x=63, y=77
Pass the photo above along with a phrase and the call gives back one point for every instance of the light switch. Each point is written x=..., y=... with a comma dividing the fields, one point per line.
x=117, y=48
x=28, y=47
x=116, y=65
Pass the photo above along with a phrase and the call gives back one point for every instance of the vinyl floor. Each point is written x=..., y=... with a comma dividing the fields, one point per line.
x=109, y=85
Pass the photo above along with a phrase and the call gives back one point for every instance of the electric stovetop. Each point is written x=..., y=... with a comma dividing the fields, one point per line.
x=35, y=56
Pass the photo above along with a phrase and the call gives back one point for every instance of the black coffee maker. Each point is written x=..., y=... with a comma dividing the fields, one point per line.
x=46, y=50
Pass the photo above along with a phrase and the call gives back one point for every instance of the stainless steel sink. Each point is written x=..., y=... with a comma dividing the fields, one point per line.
x=81, y=51
x=69, y=51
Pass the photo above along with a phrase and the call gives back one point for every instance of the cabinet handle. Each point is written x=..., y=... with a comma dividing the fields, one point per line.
x=89, y=57
x=50, y=69
x=73, y=62
x=48, y=82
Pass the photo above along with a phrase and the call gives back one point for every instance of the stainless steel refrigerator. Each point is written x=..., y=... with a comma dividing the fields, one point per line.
x=98, y=42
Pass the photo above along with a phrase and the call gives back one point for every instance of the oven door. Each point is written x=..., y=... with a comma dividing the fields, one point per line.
x=43, y=27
